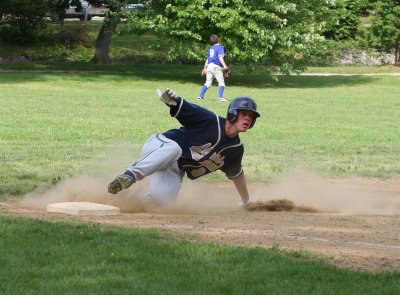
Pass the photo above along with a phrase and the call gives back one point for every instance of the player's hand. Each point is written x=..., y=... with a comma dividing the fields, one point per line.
x=244, y=205
x=203, y=72
x=169, y=97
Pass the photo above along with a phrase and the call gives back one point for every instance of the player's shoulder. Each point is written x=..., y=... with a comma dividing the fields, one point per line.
x=217, y=46
x=235, y=148
x=220, y=49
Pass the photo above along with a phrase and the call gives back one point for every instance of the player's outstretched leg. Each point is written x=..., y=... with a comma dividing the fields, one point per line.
x=202, y=92
x=121, y=182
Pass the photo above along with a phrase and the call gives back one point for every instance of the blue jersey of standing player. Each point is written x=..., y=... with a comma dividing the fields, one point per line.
x=205, y=147
x=214, y=53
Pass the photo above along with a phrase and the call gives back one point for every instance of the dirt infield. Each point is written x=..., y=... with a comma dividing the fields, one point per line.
x=352, y=223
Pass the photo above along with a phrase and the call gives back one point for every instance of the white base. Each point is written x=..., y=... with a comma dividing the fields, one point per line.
x=82, y=208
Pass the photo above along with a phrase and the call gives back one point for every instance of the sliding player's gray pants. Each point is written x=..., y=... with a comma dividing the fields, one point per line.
x=159, y=161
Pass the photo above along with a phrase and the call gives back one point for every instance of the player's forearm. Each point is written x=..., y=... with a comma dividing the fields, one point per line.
x=241, y=186
x=221, y=59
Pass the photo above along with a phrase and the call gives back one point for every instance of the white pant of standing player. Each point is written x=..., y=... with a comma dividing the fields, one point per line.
x=212, y=71
x=159, y=161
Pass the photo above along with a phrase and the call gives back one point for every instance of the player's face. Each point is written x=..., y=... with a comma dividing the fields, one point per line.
x=244, y=120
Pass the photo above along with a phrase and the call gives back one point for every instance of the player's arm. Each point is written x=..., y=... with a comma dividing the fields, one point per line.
x=241, y=186
x=204, y=70
x=221, y=56
x=186, y=113
x=222, y=60
x=234, y=171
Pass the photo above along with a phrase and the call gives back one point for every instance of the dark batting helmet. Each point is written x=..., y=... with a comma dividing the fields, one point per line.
x=242, y=103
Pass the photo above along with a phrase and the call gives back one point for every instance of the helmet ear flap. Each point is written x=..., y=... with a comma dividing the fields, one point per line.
x=232, y=115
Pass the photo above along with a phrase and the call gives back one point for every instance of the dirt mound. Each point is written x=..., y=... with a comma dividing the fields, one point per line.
x=278, y=205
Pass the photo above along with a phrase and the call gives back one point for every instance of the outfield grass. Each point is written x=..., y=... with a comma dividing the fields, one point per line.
x=68, y=258
x=55, y=124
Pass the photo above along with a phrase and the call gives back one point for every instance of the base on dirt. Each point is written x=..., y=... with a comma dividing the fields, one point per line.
x=82, y=208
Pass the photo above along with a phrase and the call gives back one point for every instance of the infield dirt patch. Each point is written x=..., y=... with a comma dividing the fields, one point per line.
x=351, y=223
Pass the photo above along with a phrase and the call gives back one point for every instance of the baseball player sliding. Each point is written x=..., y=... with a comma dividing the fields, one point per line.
x=205, y=143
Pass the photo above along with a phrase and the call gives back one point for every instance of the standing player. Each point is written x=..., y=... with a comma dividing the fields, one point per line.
x=212, y=68
x=205, y=143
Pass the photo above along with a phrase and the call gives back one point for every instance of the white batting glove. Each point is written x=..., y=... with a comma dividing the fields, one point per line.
x=169, y=97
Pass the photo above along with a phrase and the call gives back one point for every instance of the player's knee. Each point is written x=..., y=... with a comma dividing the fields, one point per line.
x=174, y=151
x=164, y=196
x=155, y=200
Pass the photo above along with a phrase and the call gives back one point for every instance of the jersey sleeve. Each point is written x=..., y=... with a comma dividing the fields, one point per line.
x=221, y=51
x=189, y=114
x=234, y=168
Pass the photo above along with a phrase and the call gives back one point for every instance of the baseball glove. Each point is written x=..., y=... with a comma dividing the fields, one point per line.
x=227, y=72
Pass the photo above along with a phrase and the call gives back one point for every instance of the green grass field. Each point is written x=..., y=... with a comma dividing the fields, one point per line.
x=56, y=124
x=71, y=258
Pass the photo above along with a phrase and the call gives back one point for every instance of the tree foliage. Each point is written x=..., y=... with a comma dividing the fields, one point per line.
x=20, y=20
x=386, y=27
x=343, y=19
x=276, y=33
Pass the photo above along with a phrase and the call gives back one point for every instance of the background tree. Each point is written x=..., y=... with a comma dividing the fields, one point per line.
x=117, y=13
x=386, y=27
x=21, y=20
x=59, y=7
x=343, y=19
x=346, y=23
x=275, y=33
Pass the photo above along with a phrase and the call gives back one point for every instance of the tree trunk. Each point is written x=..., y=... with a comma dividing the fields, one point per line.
x=103, y=42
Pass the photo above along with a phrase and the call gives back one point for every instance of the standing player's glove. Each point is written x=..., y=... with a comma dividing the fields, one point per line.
x=227, y=72
x=169, y=97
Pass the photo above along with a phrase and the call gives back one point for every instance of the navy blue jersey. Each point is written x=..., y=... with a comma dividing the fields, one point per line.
x=214, y=53
x=205, y=147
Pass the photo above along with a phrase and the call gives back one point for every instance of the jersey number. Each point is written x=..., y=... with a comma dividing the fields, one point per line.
x=211, y=52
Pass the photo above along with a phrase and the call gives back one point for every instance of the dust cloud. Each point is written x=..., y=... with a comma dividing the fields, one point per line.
x=345, y=196
x=303, y=189
x=92, y=186
x=84, y=188
x=308, y=192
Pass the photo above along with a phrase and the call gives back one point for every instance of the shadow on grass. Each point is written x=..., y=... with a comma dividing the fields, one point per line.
x=169, y=72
